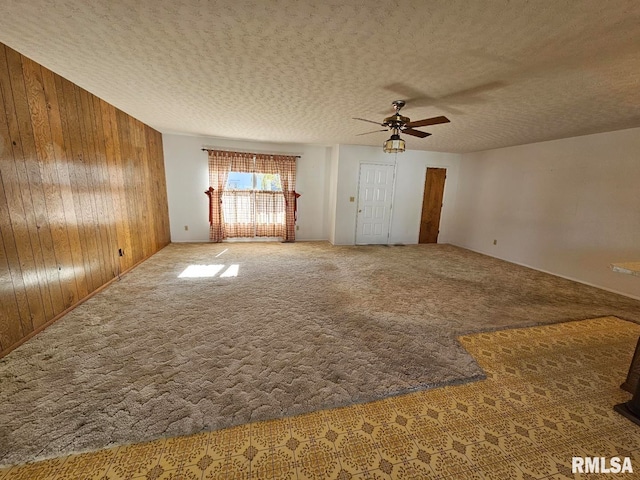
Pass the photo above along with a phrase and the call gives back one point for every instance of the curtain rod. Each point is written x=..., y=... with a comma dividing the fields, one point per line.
x=250, y=153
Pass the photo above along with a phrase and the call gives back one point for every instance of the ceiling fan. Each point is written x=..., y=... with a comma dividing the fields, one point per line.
x=397, y=124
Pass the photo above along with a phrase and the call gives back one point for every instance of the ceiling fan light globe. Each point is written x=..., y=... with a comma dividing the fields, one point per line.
x=394, y=145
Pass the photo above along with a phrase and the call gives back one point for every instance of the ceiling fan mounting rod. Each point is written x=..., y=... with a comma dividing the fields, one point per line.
x=397, y=105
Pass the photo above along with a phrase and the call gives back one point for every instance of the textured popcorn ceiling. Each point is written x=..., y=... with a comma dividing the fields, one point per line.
x=504, y=72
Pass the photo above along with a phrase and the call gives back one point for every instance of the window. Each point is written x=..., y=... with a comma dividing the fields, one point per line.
x=240, y=181
x=264, y=182
x=253, y=205
x=251, y=194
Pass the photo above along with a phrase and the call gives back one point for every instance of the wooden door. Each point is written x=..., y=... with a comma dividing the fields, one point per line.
x=432, y=205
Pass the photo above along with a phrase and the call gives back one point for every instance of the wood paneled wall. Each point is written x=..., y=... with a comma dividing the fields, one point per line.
x=79, y=180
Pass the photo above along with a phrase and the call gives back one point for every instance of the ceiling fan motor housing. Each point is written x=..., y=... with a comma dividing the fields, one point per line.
x=396, y=121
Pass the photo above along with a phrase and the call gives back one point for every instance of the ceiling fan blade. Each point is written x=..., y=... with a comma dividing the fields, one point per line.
x=405, y=92
x=428, y=121
x=370, y=121
x=367, y=133
x=466, y=96
x=416, y=133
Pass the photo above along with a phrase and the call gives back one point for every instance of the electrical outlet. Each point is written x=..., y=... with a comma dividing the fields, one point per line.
x=352, y=199
x=495, y=242
x=186, y=228
x=297, y=227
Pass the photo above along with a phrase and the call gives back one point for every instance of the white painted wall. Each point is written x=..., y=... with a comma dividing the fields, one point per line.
x=187, y=173
x=411, y=169
x=333, y=192
x=570, y=207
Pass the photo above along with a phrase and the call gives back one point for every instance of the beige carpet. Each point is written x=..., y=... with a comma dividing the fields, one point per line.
x=301, y=327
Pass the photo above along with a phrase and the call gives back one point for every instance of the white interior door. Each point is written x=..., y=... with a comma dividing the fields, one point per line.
x=375, y=194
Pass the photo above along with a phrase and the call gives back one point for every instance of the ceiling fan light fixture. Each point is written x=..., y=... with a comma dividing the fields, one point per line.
x=397, y=123
x=394, y=145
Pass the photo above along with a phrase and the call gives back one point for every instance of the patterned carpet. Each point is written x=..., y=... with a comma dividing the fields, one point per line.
x=547, y=397
x=296, y=328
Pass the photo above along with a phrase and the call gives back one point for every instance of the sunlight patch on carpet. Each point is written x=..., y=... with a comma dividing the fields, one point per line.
x=232, y=271
x=210, y=271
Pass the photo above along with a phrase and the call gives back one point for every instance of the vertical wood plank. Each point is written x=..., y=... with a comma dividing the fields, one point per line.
x=107, y=218
x=93, y=183
x=59, y=247
x=166, y=238
x=11, y=286
x=129, y=177
x=85, y=187
x=77, y=180
x=10, y=326
x=113, y=179
x=14, y=222
x=64, y=157
x=152, y=188
x=40, y=147
x=161, y=208
x=102, y=208
x=124, y=221
x=161, y=186
x=31, y=189
x=137, y=186
x=146, y=217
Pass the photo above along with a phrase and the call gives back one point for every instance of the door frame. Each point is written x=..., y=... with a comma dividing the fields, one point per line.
x=444, y=190
x=393, y=196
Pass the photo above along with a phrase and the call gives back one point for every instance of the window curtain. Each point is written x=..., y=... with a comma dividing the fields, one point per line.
x=270, y=214
x=219, y=168
x=220, y=164
x=238, y=207
x=286, y=167
x=238, y=211
x=270, y=206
